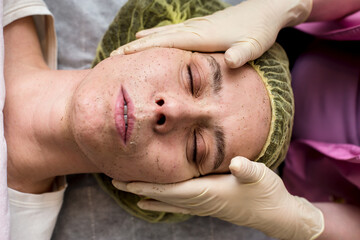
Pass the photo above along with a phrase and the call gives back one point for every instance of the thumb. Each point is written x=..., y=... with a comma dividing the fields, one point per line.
x=247, y=171
x=239, y=54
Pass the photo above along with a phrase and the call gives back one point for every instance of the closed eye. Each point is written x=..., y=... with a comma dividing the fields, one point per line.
x=191, y=80
x=195, y=148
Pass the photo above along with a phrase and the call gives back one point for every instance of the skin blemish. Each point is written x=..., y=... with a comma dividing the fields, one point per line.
x=158, y=165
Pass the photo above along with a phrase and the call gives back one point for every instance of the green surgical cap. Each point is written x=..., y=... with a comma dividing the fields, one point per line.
x=136, y=15
x=273, y=68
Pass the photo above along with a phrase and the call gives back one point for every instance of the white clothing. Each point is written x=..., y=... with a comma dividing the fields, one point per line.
x=33, y=216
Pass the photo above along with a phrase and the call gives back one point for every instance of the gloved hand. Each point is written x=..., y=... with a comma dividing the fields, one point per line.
x=252, y=196
x=244, y=31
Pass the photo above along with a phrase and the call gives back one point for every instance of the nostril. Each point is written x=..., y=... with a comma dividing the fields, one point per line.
x=161, y=120
x=160, y=102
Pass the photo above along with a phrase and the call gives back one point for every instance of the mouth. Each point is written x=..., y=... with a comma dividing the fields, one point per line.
x=124, y=115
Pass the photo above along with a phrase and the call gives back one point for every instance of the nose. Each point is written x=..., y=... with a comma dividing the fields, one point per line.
x=171, y=113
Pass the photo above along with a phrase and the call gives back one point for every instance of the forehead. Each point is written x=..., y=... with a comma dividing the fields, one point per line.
x=244, y=112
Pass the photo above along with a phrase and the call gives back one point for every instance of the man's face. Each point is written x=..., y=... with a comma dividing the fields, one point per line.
x=187, y=115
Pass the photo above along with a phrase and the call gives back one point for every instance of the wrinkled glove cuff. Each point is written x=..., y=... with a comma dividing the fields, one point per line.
x=310, y=222
x=298, y=12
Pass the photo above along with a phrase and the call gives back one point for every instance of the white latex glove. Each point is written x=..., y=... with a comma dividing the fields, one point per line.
x=252, y=196
x=244, y=31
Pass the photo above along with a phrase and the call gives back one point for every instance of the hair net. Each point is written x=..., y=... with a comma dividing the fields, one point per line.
x=273, y=68
x=136, y=15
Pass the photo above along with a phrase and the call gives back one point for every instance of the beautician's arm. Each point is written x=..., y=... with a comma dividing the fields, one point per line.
x=341, y=221
x=327, y=10
x=252, y=196
x=244, y=31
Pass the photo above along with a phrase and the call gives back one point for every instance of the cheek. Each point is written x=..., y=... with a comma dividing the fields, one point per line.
x=92, y=122
x=160, y=164
x=165, y=169
x=166, y=164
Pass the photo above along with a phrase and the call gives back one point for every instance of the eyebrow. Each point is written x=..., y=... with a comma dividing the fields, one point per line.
x=216, y=74
x=220, y=147
x=218, y=132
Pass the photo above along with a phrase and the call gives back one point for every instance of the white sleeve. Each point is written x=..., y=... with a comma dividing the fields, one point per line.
x=44, y=22
x=33, y=216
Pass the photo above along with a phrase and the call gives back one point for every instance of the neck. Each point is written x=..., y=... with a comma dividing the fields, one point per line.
x=40, y=142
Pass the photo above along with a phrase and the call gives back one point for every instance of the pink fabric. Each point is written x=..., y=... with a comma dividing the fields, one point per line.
x=347, y=28
x=4, y=206
x=323, y=172
x=323, y=162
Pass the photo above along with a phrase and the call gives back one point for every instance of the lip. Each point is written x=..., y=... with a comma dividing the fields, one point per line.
x=119, y=115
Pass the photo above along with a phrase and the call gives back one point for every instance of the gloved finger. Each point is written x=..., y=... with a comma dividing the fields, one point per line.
x=182, y=190
x=247, y=171
x=242, y=52
x=138, y=45
x=154, y=40
x=167, y=28
x=146, y=32
x=165, y=38
x=154, y=205
x=120, y=185
x=119, y=51
x=170, y=39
